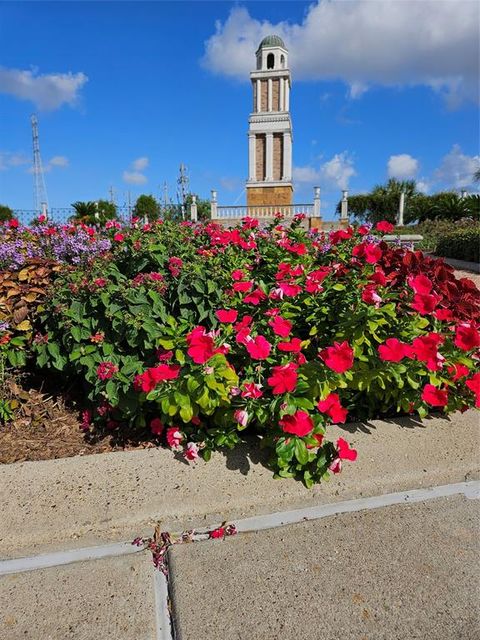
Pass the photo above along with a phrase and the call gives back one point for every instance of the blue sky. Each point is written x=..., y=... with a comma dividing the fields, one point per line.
x=125, y=92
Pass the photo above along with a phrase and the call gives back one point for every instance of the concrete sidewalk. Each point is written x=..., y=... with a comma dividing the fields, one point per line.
x=309, y=569
x=409, y=571
x=116, y=496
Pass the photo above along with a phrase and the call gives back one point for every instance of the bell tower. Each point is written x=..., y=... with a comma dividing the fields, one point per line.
x=270, y=128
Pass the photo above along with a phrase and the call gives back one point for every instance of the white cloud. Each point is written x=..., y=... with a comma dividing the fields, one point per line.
x=402, y=167
x=456, y=169
x=9, y=159
x=140, y=164
x=46, y=91
x=59, y=161
x=389, y=42
x=134, y=177
x=424, y=185
x=332, y=174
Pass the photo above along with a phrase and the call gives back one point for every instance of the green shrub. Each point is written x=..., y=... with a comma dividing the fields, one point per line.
x=5, y=213
x=462, y=244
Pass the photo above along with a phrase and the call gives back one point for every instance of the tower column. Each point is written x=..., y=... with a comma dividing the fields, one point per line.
x=269, y=95
x=287, y=96
x=251, y=156
x=287, y=156
x=259, y=96
x=282, y=92
x=269, y=157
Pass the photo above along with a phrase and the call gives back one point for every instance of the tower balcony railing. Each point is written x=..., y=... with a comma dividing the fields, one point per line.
x=238, y=212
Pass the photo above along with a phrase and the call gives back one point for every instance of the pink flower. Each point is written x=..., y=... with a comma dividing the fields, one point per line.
x=434, y=396
x=393, y=350
x=200, y=345
x=157, y=426
x=106, y=370
x=332, y=407
x=217, y=533
x=241, y=417
x=473, y=384
x=420, y=284
x=370, y=295
x=148, y=380
x=119, y=237
x=227, y=315
x=255, y=297
x=238, y=274
x=458, y=371
x=467, y=337
x=344, y=451
x=425, y=349
x=281, y=326
x=425, y=303
x=290, y=290
x=242, y=287
x=100, y=282
x=174, y=266
x=174, y=437
x=191, y=452
x=336, y=466
x=283, y=378
x=259, y=348
x=300, y=424
x=13, y=223
x=293, y=346
x=251, y=390
x=313, y=283
x=339, y=358
x=384, y=226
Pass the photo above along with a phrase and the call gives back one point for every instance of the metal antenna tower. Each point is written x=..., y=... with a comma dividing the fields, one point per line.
x=40, y=200
x=183, y=187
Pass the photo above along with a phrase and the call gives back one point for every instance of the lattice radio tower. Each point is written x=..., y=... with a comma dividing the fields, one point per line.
x=183, y=187
x=40, y=200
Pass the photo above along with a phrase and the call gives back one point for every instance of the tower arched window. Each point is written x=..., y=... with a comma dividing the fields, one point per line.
x=282, y=61
x=270, y=61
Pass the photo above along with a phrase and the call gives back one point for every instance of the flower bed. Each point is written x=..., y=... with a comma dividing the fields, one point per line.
x=200, y=334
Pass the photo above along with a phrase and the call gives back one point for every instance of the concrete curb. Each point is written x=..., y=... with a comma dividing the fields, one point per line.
x=83, y=501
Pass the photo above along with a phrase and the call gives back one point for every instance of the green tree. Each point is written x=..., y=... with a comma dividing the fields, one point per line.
x=147, y=206
x=5, y=213
x=94, y=212
x=203, y=207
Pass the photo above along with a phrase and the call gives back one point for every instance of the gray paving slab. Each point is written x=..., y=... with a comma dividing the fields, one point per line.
x=75, y=502
x=396, y=573
x=102, y=599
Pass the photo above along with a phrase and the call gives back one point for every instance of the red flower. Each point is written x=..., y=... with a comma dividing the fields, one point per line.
x=174, y=437
x=443, y=314
x=255, y=297
x=313, y=283
x=363, y=229
x=420, y=284
x=425, y=303
x=284, y=378
x=148, y=380
x=393, y=350
x=473, y=384
x=191, y=452
x=281, y=326
x=238, y=274
x=259, y=348
x=217, y=533
x=100, y=282
x=332, y=407
x=106, y=370
x=339, y=358
x=300, y=424
x=174, y=265
x=13, y=223
x=370, y=295
x=425, y=349
x=288, y=289
x=368, y=250
x=118, y=237
x=467, y=337
x=156, y=426
x=384, y=226
x=458, y=371
x=242, y=287
x=251, y=390
x=344, y=451
x=200, y=345
x=227, y=315
x=434, y=396
x=294, y=346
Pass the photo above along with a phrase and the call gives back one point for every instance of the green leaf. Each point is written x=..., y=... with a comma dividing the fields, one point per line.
x=301, y=452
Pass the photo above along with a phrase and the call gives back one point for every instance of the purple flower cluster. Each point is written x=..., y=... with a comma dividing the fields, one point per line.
x=65, y=244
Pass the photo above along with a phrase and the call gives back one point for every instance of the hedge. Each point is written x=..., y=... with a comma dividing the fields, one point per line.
x=463, y=244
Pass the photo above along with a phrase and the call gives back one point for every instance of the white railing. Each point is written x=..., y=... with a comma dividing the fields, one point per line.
x=288, y=211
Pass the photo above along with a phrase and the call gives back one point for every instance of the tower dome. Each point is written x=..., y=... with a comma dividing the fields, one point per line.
x=272, y=41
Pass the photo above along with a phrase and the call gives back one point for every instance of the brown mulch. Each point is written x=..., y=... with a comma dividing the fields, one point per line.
x=47, y=427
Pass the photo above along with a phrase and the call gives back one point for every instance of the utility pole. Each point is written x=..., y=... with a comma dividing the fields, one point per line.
x=112, y=192
x=40, y=200
x=183, y=187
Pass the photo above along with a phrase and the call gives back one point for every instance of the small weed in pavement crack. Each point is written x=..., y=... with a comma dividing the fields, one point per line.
x=161, y=541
